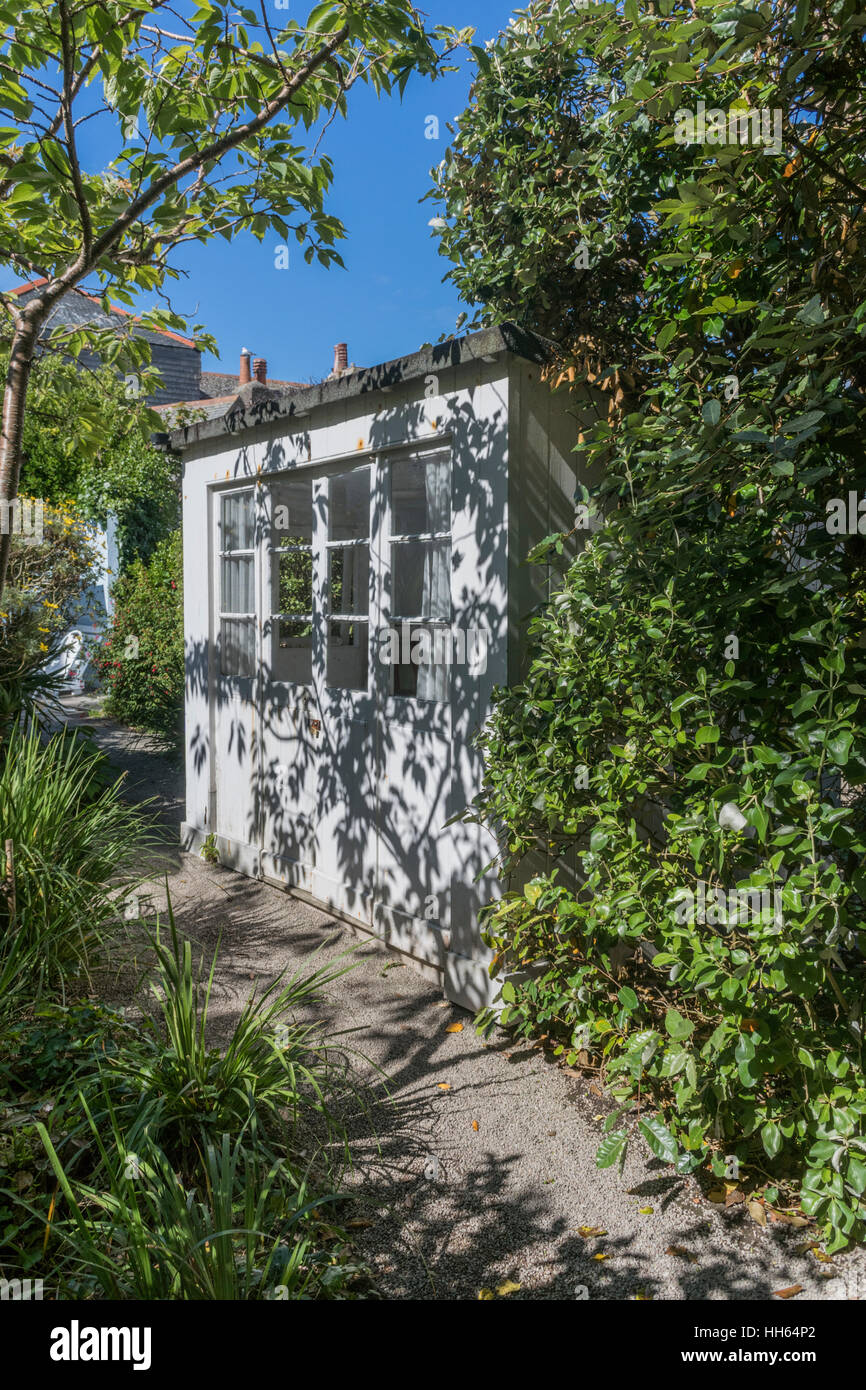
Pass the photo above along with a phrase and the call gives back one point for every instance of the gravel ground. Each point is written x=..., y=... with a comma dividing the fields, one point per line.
x=505, y=1137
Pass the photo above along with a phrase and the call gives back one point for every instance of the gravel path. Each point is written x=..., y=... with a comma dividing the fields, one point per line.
x=506, y=1137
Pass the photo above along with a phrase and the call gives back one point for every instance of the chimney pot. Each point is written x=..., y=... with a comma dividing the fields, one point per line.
x=244, y=373
x=260, y=370
x=341, y=358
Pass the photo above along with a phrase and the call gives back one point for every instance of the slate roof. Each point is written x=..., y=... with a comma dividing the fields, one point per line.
x=33, y=285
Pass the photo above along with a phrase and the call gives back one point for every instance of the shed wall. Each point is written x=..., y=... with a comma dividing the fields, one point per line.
x=468, y=405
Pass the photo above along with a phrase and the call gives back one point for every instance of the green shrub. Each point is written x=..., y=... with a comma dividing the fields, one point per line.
x=141, y=659
x=73, y=844
x=272, y=1078
x=161, y=1168
x=245, y=1230
x=682, y=780
x=693, y=711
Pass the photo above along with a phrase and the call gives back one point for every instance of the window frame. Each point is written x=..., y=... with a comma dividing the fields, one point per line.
x=248, y=619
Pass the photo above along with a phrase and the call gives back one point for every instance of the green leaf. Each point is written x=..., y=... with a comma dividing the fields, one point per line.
x=677, y=1026
x=771, y=1138
x=659, y=1139
x=612, y=1149
x=708, y=733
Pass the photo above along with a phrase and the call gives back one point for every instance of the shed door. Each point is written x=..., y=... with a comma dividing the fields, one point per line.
x=288, y=705
x=415, y=659
x=317, y=693
x=355, y=686
x=344, y=683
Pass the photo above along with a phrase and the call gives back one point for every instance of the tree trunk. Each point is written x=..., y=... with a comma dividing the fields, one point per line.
x=14, y=399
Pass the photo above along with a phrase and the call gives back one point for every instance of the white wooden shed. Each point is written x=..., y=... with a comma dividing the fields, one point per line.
x=354, y=588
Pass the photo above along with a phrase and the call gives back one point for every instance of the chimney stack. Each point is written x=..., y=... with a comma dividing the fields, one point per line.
x=260, y=370
x=341, y=359
x=244, y=373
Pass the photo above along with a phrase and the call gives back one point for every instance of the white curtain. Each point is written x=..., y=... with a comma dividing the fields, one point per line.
x=436, y=584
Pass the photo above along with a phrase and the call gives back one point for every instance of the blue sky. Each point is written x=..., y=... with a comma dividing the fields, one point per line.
x=390, y=298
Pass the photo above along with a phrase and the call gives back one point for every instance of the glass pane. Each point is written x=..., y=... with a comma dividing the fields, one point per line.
x=237, y=521
x=419, y=655
x=349, y=506
x=236, y=590
x=421, y=495
x=421, y=575
x=292, y=510
x=292, y=651
x=292, y=572
x=237, y=646
x=347, y=655
x=349, y=579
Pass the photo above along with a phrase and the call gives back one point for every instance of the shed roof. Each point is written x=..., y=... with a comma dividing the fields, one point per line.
x=255, y=405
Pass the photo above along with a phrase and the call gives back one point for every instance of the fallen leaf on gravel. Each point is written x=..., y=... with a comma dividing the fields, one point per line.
x=682, y=1253
x=788, y=1220
x=454, y=1028
x=596, y=1091
x=600, y=1256
x=475, y=1125
x=551, y=1134
x=790, y=1292
x=642, y=1297
x=644, y=1211
x=717, y=1195
x=598, y=1117
x=757, y=1212
x=486, y=1295
x=358, y=1224
x=733, y=1199
x=822, y=1256
x=444, y=1085
x=508, y=1287
x=591, y=1232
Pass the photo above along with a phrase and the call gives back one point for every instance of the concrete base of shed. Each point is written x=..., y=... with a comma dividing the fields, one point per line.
x=463, y=980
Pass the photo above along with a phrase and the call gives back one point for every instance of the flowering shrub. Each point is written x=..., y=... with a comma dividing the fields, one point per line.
x=141, y=659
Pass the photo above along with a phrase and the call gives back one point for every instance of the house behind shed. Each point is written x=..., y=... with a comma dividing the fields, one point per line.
x=354, y=588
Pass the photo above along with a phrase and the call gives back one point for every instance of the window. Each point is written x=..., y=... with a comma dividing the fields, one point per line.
x=291, y=580
x=348, y=586
x=237, y=616
x=421, y=574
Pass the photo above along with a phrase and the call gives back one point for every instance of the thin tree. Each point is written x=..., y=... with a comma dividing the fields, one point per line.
x=207, y=114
